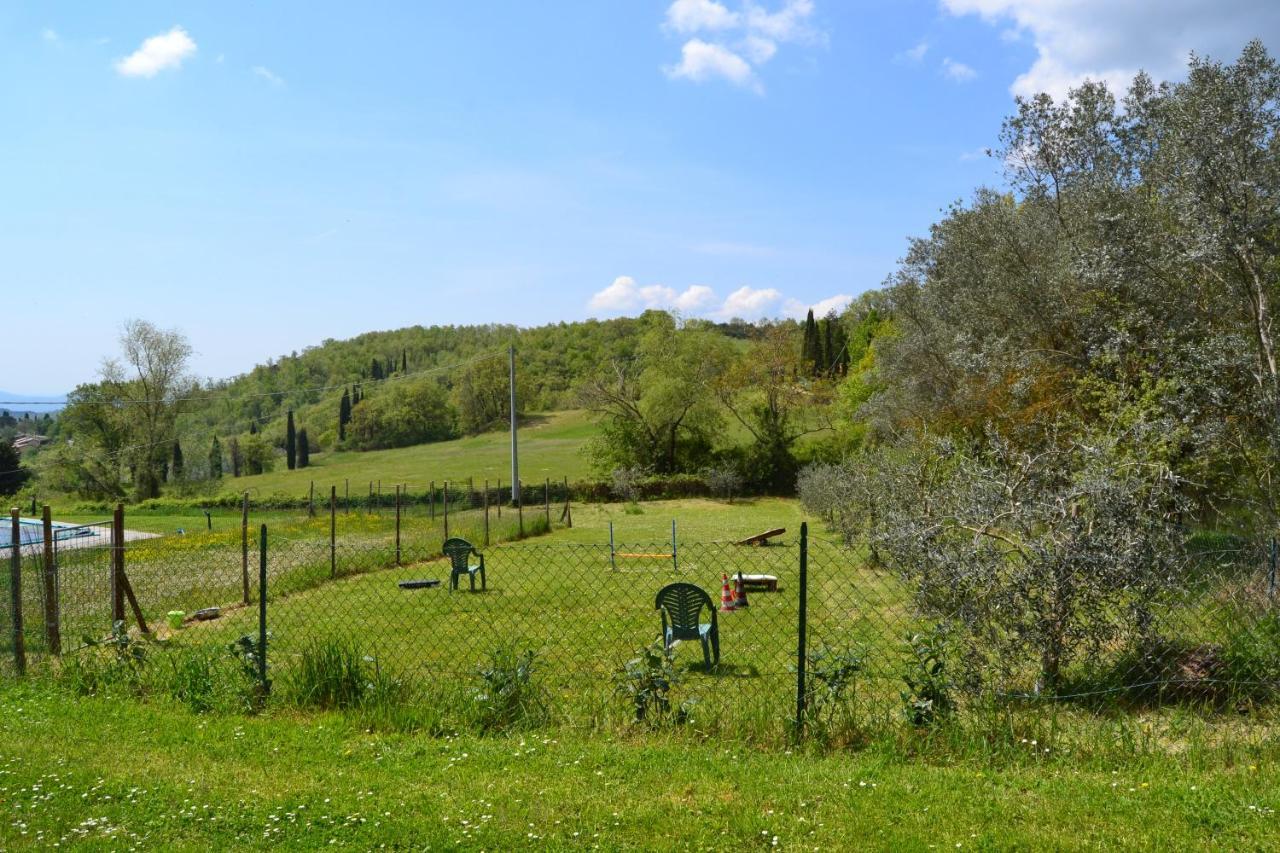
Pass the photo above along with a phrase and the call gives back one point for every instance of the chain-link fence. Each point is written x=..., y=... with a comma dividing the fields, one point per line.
x=824, y=625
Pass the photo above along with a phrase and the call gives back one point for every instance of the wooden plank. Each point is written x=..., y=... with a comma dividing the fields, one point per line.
x=762, y=538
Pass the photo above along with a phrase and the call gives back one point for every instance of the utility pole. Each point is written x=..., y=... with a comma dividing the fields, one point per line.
x=515, y=451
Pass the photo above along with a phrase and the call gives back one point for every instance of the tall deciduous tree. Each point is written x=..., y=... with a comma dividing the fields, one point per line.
x=656, y=402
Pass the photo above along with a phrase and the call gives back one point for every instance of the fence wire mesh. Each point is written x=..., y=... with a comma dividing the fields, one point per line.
x=880, y=646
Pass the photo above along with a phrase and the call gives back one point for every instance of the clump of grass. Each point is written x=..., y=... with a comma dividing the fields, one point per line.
x=332, y=673
x=207, y=679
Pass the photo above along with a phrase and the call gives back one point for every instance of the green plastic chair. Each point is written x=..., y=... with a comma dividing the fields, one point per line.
x=681, y=607
x=459, y=552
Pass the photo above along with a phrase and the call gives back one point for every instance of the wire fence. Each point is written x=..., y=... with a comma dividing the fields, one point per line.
x=823, y=630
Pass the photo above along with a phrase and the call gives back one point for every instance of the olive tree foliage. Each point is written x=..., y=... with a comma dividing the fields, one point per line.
x=656, y=401
x=1036, y=559
x=1133, y=262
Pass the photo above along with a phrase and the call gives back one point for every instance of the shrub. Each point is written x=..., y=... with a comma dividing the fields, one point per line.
x=509, y=695
x=831, y=686
x=646, y=681
x=927, y=697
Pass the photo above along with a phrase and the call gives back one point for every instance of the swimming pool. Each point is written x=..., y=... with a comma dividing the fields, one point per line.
x=31, y=530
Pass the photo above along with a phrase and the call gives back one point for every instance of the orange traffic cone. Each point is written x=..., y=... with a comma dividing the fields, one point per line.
x=740, y=592
x=726, y=595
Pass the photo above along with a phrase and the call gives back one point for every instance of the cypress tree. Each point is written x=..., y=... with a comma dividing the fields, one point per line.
x=177, y=465
x=304, y=449
x=215, y=459
x=344, y=415
x=253, y=428
x=404, y=361
x=809, y=348
x=291, y=443
x=233, y=449
x=375, y=372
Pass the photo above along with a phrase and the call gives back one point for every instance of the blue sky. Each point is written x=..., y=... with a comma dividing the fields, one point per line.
x=265, y=176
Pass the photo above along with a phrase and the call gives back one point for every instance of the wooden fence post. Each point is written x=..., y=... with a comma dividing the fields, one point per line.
x=499, y=499
x=311, y=500
x=432, y=500
x=333, y=531
x=568, y=508
x=52, y=609
x=15, y=594
x=244, y=548
x=346, y=496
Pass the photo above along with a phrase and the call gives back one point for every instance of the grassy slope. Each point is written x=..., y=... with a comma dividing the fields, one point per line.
x=551, y=447
x=94, y=773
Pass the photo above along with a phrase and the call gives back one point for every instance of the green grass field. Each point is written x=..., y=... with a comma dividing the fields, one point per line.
x=550, y=446
x=415, y=773
x=90, y=773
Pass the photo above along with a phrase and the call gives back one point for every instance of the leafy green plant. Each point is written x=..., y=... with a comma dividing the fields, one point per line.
x=646, y=680
x=509, y=695
x=927, y=698
x=832, y=683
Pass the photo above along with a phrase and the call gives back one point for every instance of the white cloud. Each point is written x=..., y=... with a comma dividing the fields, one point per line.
x=1111, y=40
x=49, y=35
x=914, y=55
x=624, y=295
x=957, y=71
x=691, y=16
x=749, y=303
x=731, y=44
x=157, y=53
x=790, y=23
x=701, y=61
x=697, y=298
x=797, y=310
x=268, y=75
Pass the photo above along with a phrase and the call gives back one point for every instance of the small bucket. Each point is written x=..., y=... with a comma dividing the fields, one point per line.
x=175, y=618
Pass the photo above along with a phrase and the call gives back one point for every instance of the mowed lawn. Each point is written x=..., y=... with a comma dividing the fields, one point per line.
x=88, y=773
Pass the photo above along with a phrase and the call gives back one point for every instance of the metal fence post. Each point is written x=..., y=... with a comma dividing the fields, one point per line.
x=52, y=608
x=15, y=594
x=346, y=496
x=431, y=500
x=486, y=512
x=244, y=548
x=333, y=531
x=803, y=628
x=546, y=501
x=499, y=499
x=117, y=565
x=397, y=525
x=446, y=509
x=262, y=611
x=515, y=492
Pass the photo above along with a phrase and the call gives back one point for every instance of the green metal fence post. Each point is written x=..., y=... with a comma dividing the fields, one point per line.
x=803, y=626
x=262, y=611
x=15, y=594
